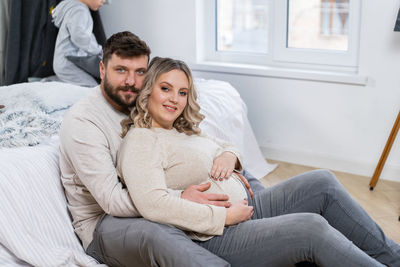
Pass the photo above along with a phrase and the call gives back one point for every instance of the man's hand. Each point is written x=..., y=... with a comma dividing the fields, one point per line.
x=195, y=193
x=223, y=166
x=246, y=183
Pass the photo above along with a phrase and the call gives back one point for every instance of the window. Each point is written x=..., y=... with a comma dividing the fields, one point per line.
x=318, y=24
x=311, y=34
x=242, y=26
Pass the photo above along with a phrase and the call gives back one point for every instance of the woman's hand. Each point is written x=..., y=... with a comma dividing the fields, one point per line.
x=223, y=166
x=246, y=183
x=238, y=212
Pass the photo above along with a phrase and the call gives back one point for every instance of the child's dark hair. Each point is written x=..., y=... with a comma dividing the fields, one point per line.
x=124, y=44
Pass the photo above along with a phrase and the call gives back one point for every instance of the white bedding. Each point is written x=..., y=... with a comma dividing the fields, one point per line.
x=35, y=225
x=33, y=111
x=226, y=118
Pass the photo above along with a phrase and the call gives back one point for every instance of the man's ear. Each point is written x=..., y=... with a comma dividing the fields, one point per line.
x=102, y=70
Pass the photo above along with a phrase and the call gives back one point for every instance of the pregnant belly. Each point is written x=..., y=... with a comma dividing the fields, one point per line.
x=232, y=187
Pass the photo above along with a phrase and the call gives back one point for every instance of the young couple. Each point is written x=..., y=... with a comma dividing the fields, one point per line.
x=167, y=195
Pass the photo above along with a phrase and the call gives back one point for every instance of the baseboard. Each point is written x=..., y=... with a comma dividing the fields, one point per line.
x=390, y=171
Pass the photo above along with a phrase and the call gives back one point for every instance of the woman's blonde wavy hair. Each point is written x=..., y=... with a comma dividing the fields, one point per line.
x=188, y=122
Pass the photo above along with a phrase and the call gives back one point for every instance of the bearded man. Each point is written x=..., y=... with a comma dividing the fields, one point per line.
x=104, y=217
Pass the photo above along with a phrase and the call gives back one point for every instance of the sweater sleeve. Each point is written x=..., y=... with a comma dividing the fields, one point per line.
x=80, y=27
x=226, y=147
x=89, y=154
x=145, y=178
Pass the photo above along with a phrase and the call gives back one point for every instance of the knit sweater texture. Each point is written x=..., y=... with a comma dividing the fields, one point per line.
x=153, y=161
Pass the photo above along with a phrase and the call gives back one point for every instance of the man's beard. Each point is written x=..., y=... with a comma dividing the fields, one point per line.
x=112, y=93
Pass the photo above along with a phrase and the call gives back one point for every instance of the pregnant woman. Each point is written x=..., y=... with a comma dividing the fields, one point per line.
x=307, y=218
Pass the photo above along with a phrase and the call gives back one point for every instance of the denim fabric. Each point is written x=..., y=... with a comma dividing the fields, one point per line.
x=310, y=217
x=255, y=184
x=138, y=242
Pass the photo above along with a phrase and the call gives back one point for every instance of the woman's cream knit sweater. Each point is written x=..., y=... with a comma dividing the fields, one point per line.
x=153, y=161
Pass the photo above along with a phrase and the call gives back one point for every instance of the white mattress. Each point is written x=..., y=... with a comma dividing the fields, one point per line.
x=35, y=224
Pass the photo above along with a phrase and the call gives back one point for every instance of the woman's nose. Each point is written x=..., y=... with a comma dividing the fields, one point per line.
x=173, y=98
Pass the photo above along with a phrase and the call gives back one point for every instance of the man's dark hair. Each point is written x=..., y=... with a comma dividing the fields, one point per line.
x=126, y=45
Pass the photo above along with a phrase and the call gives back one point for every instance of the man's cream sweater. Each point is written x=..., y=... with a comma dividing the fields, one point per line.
x=89, y=141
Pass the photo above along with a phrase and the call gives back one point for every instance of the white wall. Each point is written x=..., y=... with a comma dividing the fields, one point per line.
x=330, y=125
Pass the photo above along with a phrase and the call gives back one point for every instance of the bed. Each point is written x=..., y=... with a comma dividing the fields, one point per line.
x=35, y=224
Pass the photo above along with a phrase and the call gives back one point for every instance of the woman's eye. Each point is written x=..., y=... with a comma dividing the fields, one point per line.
x=164, y=88
x=183, y=93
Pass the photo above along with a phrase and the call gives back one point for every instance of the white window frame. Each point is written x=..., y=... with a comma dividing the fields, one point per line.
x=338, y=58
x=206, y=24
x=280, y=60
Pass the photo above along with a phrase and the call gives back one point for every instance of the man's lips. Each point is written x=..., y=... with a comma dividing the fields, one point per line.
x=129, y=92
x=129, y=89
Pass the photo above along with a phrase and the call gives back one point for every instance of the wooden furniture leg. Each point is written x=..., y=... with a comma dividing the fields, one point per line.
x=385, y=153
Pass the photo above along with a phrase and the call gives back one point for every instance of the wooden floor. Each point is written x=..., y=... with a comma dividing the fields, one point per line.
x=382, y=204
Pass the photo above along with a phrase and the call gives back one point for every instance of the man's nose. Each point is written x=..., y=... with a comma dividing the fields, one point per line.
x=130, y=80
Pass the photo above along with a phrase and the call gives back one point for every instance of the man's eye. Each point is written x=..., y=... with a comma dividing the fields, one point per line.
x=140, y=72
x=121, y=70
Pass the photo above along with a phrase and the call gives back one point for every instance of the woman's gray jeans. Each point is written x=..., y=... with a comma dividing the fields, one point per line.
x=310, y=217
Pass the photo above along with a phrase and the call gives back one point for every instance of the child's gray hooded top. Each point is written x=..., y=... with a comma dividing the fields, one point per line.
x=75, y=38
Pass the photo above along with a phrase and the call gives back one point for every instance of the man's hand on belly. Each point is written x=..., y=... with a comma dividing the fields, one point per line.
x=195, y=193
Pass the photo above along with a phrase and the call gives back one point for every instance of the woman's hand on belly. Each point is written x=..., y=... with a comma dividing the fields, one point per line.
x=238, y=212
x=246, y=183
x=223, y=166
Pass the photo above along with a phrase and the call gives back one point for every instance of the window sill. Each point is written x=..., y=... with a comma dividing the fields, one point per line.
x=283, y=73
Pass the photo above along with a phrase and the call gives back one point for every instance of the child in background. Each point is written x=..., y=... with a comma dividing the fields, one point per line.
x=75, y=38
